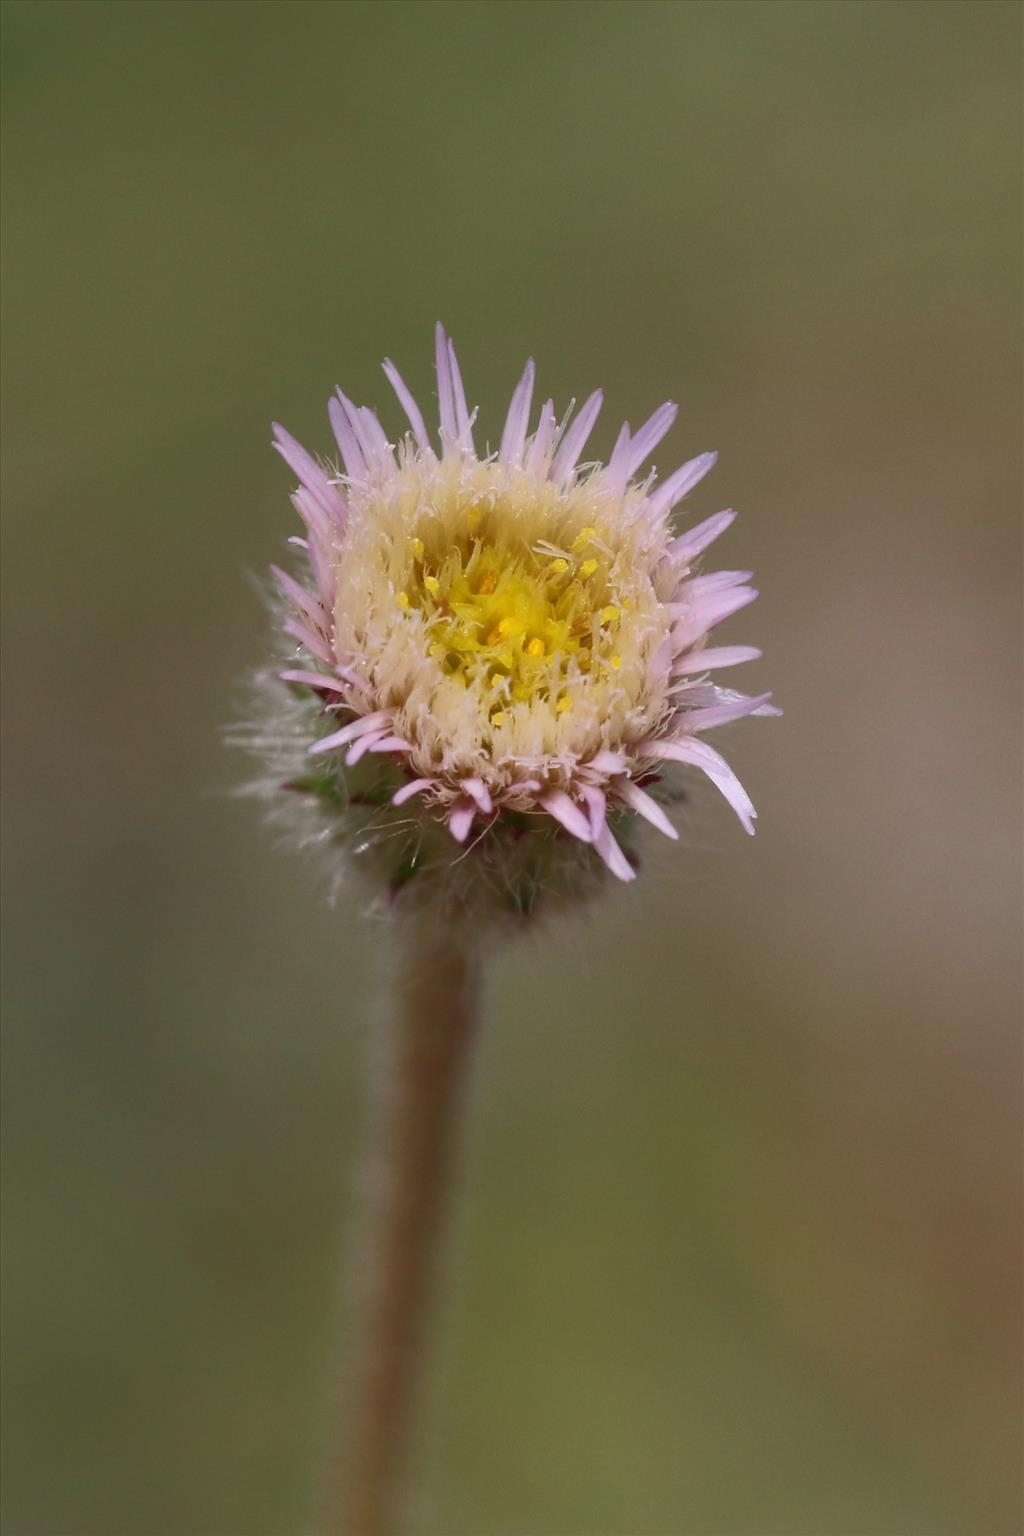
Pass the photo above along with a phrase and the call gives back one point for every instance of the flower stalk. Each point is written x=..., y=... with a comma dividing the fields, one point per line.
x=433, y=1028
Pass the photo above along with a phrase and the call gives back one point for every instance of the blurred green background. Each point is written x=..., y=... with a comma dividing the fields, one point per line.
x=738, y=1245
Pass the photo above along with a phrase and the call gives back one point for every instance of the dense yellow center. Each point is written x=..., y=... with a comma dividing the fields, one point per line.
x=523, y=622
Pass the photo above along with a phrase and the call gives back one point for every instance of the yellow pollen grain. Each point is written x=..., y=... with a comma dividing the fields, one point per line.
x=560, y=566
x=473, y=519
x=584, y=537
x=564, y=705
x=432, y=584
x=535, y=648
x=488, y=584
x=403, y=600
x=609, y=614
x=417, y=549
x=499, y=717
x=615, y=661
x=588, y=567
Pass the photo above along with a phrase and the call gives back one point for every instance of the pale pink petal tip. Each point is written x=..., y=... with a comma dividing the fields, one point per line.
x=478, y=792
x=445, y=386
x=565, y=811
x=715, y=656
x=461, y=819
x=597, y=807
x=379, y=721
x=689, y=545
x=359, y=748
x=678, y=485
x=307, y=471
x=408, y=403
x=575, y=440
x=342, y=415
x=407, y=791
x=513, y=439
x=644, y=442
x=721, y=714
x=314, y=680
x=641, y=802
x=609, y=850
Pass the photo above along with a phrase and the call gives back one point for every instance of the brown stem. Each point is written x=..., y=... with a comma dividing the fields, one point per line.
x=435, y=1021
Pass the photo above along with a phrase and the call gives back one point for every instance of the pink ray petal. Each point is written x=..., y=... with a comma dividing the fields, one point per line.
x=543, y=439
x=513, y=439
x=714, y=581
x=597, y=806
x=341, y=413
x=688, y=546
x=373, y=438
x=573, y=443
x=643, y=443
x=407, y=791
x=314, y=680
x=708, y=612
x=693, y=720
x=308, y=471
x=391, y=744
x=462, y=418
x=360, y=748
x=613, y=856
x=409, y=406
x=714, y=656
x=316, y=646
x=380, y=721
x=460, y=819
x=308, y=606
x=317, y=522
x=557, y=804
x=615, y=476
x=641, y=802
x=699, y=755
x=672, y=490
x=478, y=791
x=445, y=388
x=606, y=763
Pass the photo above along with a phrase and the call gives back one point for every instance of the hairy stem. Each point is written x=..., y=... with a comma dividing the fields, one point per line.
x=434, y=1025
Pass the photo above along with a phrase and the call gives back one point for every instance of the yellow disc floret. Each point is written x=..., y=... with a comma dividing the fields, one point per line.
x=508, y=619
x=508, y=622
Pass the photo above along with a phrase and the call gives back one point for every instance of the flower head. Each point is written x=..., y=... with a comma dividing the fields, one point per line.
x=507, y=648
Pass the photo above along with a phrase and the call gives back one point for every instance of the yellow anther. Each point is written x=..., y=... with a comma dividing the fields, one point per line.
x=584, y=537
x=499, y=717
x=535, y=648
x=403, y=600
x=473, y=518
x=417, y=548
x=564, y=705
x=488, y=584
x=560, y=566
x=506, y=626
x=588, y=567
x=432, y=584
x=609, y=614
x=615, y=661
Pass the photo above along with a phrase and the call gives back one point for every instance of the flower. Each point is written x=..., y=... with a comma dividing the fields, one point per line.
x=511, y=642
